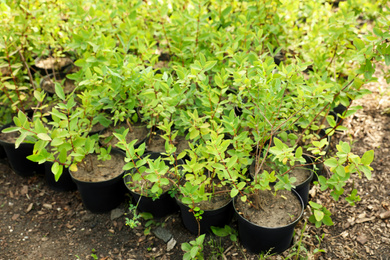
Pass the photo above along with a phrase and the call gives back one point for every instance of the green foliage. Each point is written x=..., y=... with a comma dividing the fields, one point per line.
x=204, y=70
x=320, y=215
x=224, y=232
x=193, y=249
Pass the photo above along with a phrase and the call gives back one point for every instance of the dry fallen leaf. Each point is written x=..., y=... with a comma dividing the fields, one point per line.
x=29, y=208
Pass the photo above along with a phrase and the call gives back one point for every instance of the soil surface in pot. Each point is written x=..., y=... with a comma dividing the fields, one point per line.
x=215, y=202
x=275, y=211
x=49, y=86
x=300, y=173
x=139, y=132
x=9, y=137
x=93, y=170
x=51, y=62
x=157, y=144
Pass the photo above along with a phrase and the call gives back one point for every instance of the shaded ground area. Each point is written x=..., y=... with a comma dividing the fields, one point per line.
x=39, y=223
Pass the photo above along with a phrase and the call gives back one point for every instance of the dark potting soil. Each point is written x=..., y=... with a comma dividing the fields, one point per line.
x=93, y=170
x=139, y=133
x=276, y=210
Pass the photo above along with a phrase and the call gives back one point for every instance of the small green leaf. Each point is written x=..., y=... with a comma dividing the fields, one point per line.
x=218, y=231
x=368, y=157
x=233, y=192
x=359, y=44
x=298, y=152
x=194, y=251
x=44, y=137
x=327, y=221
x=11, y=129
x=332, y=162
x=319, y=215
x=209, y=65
x=59, y=91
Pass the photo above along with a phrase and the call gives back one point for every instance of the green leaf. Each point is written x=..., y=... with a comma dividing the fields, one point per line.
x=57, y=170
x=186, y=247
x=332, y=162
x=44, y=137
x=387, y=59
x=359, y=44
x=59, y=91
x=366, y=170
x=319, y=215
x=233, y=192
x=367, y=157
x=345, y=147
x=194, y=251
x=315, y=205
x=227, y=10
x=11, y=129
x=194, y=133
x=298, y=152
x=20, y=139
x=327, y=220
x=209, y=65
x=202, y=59
x=218, y=231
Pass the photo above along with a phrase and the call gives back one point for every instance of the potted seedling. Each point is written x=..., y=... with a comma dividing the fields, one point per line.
x=66, y=143
x=266, y=114
x=152, y=178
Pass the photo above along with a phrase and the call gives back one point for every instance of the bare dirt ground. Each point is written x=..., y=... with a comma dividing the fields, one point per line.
x=39, y=223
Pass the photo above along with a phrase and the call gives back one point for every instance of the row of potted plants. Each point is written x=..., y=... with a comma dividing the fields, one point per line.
x=226, y=119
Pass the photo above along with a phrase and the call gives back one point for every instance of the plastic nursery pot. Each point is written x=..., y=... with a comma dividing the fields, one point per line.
x=304, y=187
x=259, y=239
x=163, y=206
x=217, y=217
x=101, y=196
x=45, y=65
x=17, y=158
x=64, y=183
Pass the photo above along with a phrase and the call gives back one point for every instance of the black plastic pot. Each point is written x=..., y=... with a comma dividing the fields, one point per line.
x=304, y=187
x=17, y=158
x=259, y=239
x=64, y=183
x=102, y=196
x=218, y=217
x=161, y=207
x=3, y=154
x=67, y=66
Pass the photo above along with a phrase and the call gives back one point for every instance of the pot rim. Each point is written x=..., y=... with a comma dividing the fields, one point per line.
x=92, y=182
x=273, y=228
x=210, y=210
